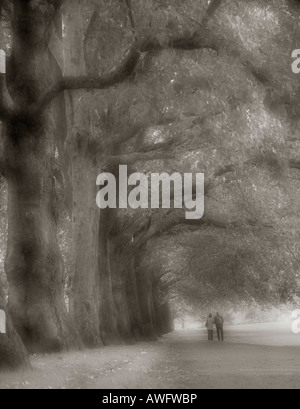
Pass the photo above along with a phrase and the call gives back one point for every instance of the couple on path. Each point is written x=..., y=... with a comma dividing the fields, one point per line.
x=218, y=321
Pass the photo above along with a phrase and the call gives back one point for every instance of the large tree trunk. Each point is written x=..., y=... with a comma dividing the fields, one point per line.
x=13, y=354
x=33, y=264
x=108, y=314
x=163, y=316
x=120, y=275
x=167, y=324
x=134, y=304
x=85, y=292
x=144, y=285
x=12, y=351
x=120, y=312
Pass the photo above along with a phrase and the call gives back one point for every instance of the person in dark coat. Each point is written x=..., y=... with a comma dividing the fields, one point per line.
x=210, y=327
x=219, y=323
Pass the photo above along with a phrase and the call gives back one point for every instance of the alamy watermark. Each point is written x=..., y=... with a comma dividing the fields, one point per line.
x=153, y=191
x=2, y=322
x=296, y=322
x=296, y=63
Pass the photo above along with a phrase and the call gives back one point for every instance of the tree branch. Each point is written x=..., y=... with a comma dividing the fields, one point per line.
x=294, y=164
x=227, y=225
x=202, y=38
x=166, y=285
x=116, y=76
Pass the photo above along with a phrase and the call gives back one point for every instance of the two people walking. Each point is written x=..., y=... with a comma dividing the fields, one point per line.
x=218, y=321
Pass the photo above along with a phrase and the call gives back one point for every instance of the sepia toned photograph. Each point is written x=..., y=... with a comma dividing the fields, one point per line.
x=149, y=197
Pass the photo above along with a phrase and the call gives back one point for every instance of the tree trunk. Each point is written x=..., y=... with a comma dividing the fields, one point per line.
x=108, y=314
x=134, y=304
x=120, y=310
x=157, y=316
x=167, y=319
x=12, y=351
x=163, y=317
x=85, y=292
x=33, y=264
x=13, y=354
x=120, y=275
x=162, y=313
x=144, y=285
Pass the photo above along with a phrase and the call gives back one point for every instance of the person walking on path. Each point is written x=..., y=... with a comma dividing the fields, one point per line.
x=210, y=327
x=219, y=323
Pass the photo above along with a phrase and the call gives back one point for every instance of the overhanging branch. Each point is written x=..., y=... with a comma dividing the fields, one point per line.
x=200, y=39
x=116, y=76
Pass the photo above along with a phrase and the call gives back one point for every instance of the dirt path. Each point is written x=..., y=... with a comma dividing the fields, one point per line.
x=265, y=356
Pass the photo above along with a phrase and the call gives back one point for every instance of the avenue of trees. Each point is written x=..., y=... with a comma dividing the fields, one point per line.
x=160, y=86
